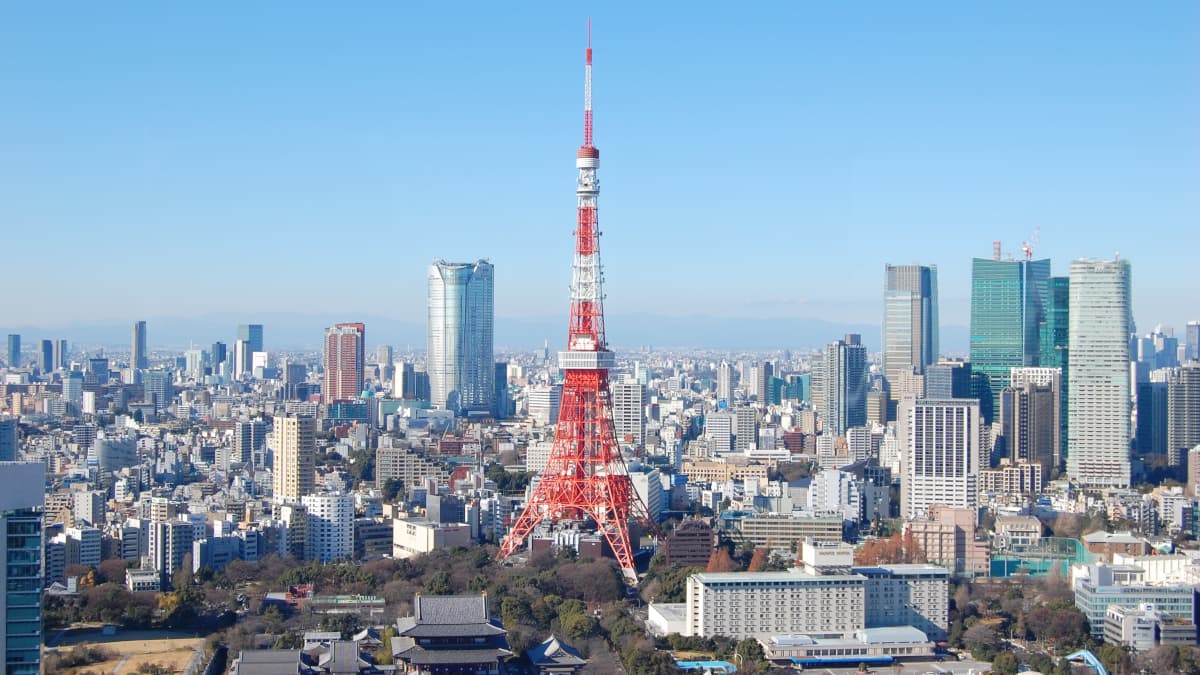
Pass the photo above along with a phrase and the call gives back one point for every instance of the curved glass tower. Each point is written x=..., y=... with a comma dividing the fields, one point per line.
x=461, y=321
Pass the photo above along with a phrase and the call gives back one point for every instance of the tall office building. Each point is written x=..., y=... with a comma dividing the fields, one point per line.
x=59, y=355
x=137, y=349
x=1055, y=345
x=252, y=335
x=502, y=402
x=948, y=379
x=843, y=384
x=725, y=383
x=1101, y=321
x=22, y=500
x=46, y=356
x=1150, y=437
x=216, y=356
x=910, y=320
x=1183, y=412
x=344, y=362
x=1008, y=308
x=461, y=321
x=8, y=439
x=159, y=388
x=1192, y=341
x=543, y=403
x=242, y=358
x=1029, y=410
x=940, y=450
x=14, y=350
x=294, y=443
x=628, y=420
x=248, y=441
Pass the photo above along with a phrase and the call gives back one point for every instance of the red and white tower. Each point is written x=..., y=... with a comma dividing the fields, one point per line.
x=586, y=478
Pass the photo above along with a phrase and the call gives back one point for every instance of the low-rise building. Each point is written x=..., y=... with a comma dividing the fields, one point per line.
x=1101, y=587
x=413, y=536
x=1145, y=627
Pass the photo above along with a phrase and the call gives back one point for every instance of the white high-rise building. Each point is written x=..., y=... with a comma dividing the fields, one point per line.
x=718, y=428
x=1098, y=398
x=543, y=402
x=330, y=527
x=22, y=502
x=940, y=454
x=628, y=418
x=725, y=382
x=461, y=321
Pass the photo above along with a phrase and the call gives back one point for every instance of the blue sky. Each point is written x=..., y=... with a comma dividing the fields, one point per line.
x=760, y=159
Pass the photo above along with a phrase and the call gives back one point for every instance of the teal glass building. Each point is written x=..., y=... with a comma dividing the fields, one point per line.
x=1008, y=308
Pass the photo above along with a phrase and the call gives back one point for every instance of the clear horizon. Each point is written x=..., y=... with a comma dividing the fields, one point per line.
x=173, y=160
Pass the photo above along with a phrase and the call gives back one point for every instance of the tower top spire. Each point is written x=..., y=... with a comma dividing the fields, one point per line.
x=587, y=91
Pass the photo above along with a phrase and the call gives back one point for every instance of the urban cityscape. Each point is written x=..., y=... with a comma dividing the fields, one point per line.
x=889, y=499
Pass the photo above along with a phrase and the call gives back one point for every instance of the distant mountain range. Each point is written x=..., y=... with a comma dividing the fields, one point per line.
x=625, y=331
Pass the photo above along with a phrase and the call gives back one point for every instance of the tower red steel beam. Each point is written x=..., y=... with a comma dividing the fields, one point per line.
x=586, y=478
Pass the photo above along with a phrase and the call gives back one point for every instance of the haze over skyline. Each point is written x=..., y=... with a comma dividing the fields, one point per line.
x=181, y=161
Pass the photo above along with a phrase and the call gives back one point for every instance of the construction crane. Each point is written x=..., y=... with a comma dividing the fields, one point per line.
x=1027, y=245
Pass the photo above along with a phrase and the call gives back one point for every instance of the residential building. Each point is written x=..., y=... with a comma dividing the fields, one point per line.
x=843, y=383
x=940, y=441
x=170, y=542
x=1183, y=411
x=294, y=444
x=1098, y=407
x=628, y=417
x=345, y=362
x=394, y=460
x=1029, y=417
x=330, y=527
x=461, y=324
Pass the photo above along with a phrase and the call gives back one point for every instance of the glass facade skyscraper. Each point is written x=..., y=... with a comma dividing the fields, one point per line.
x=910, y=320
x=461, y=323
x=252, y=334
x=22, y=500
x=1101, y=321
x=14, y=350
x=1008, y=307
x=1055, y=345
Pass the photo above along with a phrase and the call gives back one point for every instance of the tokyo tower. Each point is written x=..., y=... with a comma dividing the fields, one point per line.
x=586, y=478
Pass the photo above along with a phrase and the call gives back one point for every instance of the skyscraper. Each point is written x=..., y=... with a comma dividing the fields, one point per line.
x=14, y=350
x=344, y=362
x=1055, y=346
x=725, y=383
x=252, y=333
x=1183, y=412
x=843, y=383
x=461, y=320
x=46, y=356
x=628, y=416
x=1008, y=308
x=940, y=456
x=910, y=320
x=22, y=500
x=294, y=442
x=1029, y=410
x=1151, y=434
x=137, y=348
x=59, y=355
x=217, y=356
x=1192, y=341
x=1101, y=321
x=8, y=439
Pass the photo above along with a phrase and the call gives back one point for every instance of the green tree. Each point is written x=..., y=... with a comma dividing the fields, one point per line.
x=438, y=583
x=1006, y=663
x=392, y=488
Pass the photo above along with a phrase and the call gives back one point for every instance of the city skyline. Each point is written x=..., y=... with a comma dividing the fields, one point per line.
x=1089, y=143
